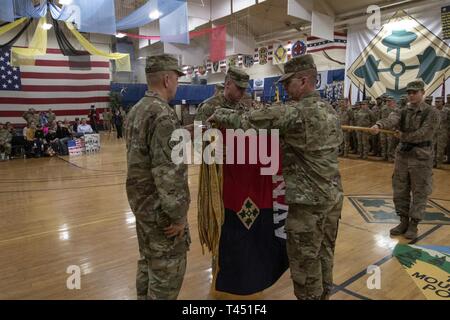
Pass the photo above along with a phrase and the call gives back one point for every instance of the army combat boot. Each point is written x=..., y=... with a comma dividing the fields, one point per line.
x=401, y=228
x=411, y=233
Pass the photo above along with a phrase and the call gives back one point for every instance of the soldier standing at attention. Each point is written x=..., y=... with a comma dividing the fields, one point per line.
x=447, y=107
x=364, y=118
x=375, y=140
x=387, y=141
x=440, y=141
x=346, y=118
x=157, y=188
x=236, y=82
x=311, y=134
x=414, y=159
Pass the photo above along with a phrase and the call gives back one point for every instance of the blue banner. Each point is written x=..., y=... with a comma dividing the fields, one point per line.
x=97, y=16
x=7, y=11
x=174, y=26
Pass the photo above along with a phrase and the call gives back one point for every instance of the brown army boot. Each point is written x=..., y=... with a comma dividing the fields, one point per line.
x=411, y=233
x=401, y=228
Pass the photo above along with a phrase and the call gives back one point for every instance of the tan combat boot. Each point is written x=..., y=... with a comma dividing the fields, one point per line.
x=401, y=228
x=411, y=233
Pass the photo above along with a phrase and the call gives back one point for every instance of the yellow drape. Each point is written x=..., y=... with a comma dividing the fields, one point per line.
x=11, y=25
x=122, y=59
x=37, y=46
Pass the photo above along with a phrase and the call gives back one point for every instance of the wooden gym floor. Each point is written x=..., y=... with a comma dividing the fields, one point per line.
x=57, y=212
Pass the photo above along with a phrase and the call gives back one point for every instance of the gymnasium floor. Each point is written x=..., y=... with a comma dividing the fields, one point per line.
x=59, y=212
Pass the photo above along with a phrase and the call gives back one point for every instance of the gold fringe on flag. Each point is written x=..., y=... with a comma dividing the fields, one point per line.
x=210, y=210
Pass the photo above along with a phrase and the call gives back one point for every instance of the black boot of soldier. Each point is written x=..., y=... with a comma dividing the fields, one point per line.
x=401, y=228
x=412, y=231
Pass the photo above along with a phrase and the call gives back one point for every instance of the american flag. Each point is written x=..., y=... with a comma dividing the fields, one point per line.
x=52, y=82
x=76, y=147
x=318, y=44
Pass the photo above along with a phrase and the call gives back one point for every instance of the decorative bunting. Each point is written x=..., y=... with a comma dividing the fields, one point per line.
x=7, y=27
x=122, y=59
x=37, y=46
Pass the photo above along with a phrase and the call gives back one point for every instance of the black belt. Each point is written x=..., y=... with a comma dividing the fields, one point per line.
x=406, y=146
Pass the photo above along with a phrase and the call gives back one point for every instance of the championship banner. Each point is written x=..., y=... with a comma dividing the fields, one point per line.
x=403, y=50
x=429, y=268
x=251, y=253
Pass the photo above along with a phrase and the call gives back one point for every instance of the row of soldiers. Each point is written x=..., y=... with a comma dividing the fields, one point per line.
x=366, y=113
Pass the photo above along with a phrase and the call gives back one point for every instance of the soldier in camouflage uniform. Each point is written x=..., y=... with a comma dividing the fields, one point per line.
x=346, y=118
x=414, y=158
x=375, y=140
x=31, y=115
x=447, y=107
x=403, y=102
x=440, y=140
x=218, y=89
x=157, y=188
x=311, y=134
x=364, y=118
x=353, y=136
x=236, y=82
x=5, y=142
x=387, y=141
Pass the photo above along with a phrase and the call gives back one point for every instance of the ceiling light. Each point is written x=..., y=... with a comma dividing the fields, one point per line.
x=65, y=2
x=120, y=35
x=155, y=14
x=46, y=26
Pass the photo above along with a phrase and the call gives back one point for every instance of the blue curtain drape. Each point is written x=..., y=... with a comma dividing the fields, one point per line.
x=7, y=11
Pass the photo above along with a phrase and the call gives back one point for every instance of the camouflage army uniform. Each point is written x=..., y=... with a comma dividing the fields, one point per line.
x=51, y=116
x=158, y=195
x=346, y=118
x=364, y=118
x=207, y=108
x=310, y=135
x=5, y=142
x=375, y=140
x=447, y=107
x=388, y=142
x=31, y=116
x=414, y=157
x=441, y=136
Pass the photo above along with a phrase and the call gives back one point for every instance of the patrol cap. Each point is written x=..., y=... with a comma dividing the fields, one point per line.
x=390, y=98
x=297, y=64
x=440, y=99
x=163, y=62
x=240, y=77
x=415, y=86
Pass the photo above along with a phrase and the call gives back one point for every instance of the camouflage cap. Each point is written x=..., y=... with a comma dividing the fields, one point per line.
x=297, y=64
x=240, y=77
x=163, y=62
x=415, y=86
x=440, y=99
